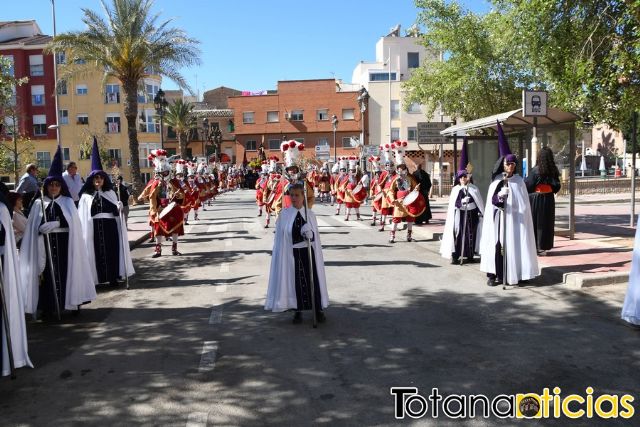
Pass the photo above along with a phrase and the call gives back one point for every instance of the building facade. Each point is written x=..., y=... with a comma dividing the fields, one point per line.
x=303, y=110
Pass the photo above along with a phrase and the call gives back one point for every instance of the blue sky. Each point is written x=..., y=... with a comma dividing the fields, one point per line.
x=251, y=44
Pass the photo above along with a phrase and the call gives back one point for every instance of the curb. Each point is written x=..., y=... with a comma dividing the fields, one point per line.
x=587, y=280
x=135, y=243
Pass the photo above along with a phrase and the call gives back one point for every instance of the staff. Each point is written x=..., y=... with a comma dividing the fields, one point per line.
x=464, y=226
x=503, y=214
x=49, y=257
x=124, y=258
x=7, y=327
x=310, y=253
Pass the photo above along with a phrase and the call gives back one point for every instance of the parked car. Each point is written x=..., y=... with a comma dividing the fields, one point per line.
x=174, y=158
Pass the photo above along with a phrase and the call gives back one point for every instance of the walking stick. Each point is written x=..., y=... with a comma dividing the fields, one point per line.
x=7, y=327
x=464, y=231
x=309, y=251
x=124, y=258
x=47, y=241
x=504, y=236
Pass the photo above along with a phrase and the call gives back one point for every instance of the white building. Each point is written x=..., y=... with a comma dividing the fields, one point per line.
x=396, y=58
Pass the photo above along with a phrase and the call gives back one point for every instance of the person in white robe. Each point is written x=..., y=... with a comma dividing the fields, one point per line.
x=508, y=196
x=631, y=307
x=12, y=290
x=289, y=278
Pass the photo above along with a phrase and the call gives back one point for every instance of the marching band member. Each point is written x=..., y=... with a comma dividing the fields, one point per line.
x=156, y=192
x=13, y=290
x=185, y=188
x=375, y=189
x=193, y=193
x=67, y=275
x=507, y=193
x=291, y=152
x=354, y=178
x=389, y=175
x=335, y=170
x=261, y=185
x=105, y=236
x=290, y=274
x=268, y=195
x=463, y=215
x=340, y=183
x=324, y=185
x=400, y=186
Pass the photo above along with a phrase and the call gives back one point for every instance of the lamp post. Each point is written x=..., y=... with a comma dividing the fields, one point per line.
x=55, y=73
x=363, y=99
x=206, y=135
x=334, y=122
x=160, y=103
x=217, y=140
x=211, y=134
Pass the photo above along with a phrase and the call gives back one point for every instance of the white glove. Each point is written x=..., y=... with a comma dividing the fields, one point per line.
x=466, y=200
x=120, y=206
x=306, y=231
x=503, y=193
x=47, y=227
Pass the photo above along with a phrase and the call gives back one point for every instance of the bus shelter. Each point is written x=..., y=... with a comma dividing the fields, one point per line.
x=555, y=130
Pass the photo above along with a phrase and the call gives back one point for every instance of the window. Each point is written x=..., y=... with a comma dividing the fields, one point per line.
x=11, y=71
x=115, y=156
x=149, y=123
x=143, y=153
x=62, y=87
x=323, y=141
x=43, y=159
x=412, y=134
x=413, y=59
x=297, y=115
x=61, y=58
x=82, y=119
x=80, y=61
x=323, y=114
x=171, y=133
x=381, y=77
x=274, y=144
x=272, y=116
x=113, y=124
x=247, y=117
x=395, y=109
x=8, y=126
x=81, y=89
x=414, y=108
x=36, y=65
x=395, y=134
x=151, y=90
x=346, y=141
x=37, y=95
x=39, y=125
x=251, y=146
x=66, y=156
x=112, y=94
x=348, y=114
x=63, y=117
x=145, y=176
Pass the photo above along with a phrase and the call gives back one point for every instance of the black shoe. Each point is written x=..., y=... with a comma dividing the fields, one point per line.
x=455, y=261
x=320, y=317
x=492, y=282
x=175, y=253
x=297, y=317
x=156, y=255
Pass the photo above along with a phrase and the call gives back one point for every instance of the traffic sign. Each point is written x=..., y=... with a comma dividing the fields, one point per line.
x=370, y=150
x=429, y=132
x=322, y=149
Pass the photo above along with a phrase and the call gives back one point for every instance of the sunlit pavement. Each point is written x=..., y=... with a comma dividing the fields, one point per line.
x=189, y=343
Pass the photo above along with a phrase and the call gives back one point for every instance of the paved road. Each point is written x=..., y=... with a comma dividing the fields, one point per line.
x=190, y=345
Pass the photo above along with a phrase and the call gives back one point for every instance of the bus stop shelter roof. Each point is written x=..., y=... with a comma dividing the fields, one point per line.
x=512, y=120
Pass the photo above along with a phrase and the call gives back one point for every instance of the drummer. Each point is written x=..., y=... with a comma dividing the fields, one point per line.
x=156, y=192
x=354, y=192
x=401, y=186
x=375, y=188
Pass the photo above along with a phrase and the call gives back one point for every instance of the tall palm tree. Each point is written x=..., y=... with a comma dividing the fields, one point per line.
x=126, y=46
x=180, y=117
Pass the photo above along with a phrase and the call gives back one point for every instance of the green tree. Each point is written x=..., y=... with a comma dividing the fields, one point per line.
x=128, y=45
x=181, y=118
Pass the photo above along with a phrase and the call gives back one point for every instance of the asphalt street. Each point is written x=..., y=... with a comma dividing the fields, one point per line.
x=190, y=344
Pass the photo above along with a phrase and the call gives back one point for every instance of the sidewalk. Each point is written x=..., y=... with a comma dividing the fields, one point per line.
x=138, y=224
x=601, y=252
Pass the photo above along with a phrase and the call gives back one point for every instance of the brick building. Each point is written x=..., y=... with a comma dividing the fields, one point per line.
x=300, y=110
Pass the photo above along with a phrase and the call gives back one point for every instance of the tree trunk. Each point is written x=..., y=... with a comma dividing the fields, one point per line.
x=131, y=113
x=182, y=143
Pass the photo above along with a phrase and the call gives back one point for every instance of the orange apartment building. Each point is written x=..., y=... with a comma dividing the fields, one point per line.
x=300, y=110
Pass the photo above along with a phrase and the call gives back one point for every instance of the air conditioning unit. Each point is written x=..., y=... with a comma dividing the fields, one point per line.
x=287, y=116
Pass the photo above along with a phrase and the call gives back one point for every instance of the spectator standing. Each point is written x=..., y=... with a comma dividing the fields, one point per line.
x=422, y=177
x=73, y=181
x=28, y=186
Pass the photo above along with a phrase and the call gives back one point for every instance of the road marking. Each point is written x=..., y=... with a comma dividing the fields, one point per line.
x=353, y=222
x=208, y=357
x=323, y=223
x=197, y=419
x=221, y=288
x=228, y=242
x=216, y=315
x=224, y=267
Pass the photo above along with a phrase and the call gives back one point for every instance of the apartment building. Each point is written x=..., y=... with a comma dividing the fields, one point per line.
x=302, y=110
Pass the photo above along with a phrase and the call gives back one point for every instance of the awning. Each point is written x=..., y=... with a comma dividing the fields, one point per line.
x=512, y=120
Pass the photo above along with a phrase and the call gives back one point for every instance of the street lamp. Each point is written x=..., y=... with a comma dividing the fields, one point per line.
x=160, y=103
x=334, y=122
x=55, y=73
x=363, y=99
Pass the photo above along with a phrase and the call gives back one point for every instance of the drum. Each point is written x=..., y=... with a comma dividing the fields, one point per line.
x=414, y=203
x=171, y=217
x=359, y=193
x=378, y=196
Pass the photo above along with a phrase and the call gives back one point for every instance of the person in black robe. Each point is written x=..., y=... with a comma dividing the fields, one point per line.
x=543, y=182
x=423, y=178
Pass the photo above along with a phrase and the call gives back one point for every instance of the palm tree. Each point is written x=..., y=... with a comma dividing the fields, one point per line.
x=127, y=46
x=180, y=117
